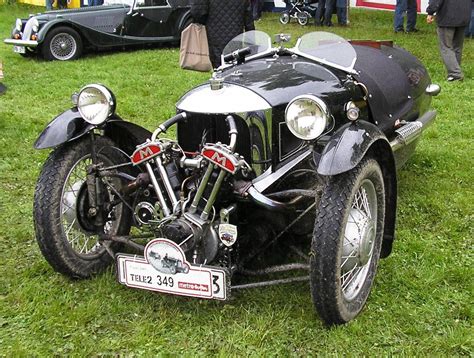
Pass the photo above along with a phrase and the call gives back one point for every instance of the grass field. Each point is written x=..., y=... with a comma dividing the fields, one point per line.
x=422, y=302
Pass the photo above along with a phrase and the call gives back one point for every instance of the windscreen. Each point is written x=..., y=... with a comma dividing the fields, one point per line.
x=257, y=41
x=327, y=48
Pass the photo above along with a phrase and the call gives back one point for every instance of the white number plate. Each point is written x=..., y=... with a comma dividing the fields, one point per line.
x=19, y=49
x=161, y=270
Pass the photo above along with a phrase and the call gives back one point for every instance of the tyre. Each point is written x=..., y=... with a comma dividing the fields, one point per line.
x=67, y=236
x=303, y=18
x=62, y=44
x=346, y=242
x=284, y=17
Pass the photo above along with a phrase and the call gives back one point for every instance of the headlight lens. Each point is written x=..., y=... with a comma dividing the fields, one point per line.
x=35, y=25
x=307, y=117
x=18, y=25
x=95, y=104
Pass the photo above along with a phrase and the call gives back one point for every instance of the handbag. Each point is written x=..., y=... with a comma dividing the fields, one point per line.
x=194, y=49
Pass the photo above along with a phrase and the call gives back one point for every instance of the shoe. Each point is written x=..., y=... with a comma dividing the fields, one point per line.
x=399, y=30
x=451, y=78
x=413, y=30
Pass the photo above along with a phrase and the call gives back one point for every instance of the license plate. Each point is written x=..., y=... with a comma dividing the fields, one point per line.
x=19, y=49
x=164, y=269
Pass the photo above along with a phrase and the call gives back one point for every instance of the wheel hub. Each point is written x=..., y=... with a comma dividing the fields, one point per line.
x=359, y=240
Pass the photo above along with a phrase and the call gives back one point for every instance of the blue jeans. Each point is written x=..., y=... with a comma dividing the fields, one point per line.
x=49, y=5
x=341, y=15
x=470, y=28
x=410, y=7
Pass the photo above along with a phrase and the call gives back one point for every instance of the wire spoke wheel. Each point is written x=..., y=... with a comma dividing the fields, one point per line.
x=68, y=229
x=347, y=240
x=62, y=43
x=63, y=46
x=79, y=232
x=359, y=240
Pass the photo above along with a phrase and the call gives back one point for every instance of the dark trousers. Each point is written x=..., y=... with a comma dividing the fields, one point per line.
x=319, y=15
x=451, y=40
x=408, y=6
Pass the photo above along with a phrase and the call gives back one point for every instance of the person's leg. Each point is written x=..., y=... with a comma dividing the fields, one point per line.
x=458, y=43
x=49, y=5
x=470, y=28
x=411, y=15
x=330, y=5
x=445, y=38
x=319, y=15
x=342, y=15
x=400, y=9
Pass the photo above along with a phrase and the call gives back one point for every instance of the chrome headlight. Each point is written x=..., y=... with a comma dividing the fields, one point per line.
x=18, y=25
x=307, y=117
x=95, y=104
x=35, y=25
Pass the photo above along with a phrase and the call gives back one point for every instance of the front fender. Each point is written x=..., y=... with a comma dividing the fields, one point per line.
x=348, y=146
x=69, y=126
x=43, y=31
x=66, y=127
x=346, y=149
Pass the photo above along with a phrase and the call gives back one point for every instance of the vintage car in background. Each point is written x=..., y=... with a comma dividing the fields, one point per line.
x=285, y=160
x=64, y=34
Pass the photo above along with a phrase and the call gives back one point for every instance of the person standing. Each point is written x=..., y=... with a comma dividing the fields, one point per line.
x=410, y=7
x=224, y=19
x=319, y=15
x=452, y=16
x=257, y=8
x=341, y=11
x=469, y=33
x=49, y=5
x=329, y=10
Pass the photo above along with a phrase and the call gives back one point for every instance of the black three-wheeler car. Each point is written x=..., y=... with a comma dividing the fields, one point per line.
x=285, y=161
x=64, y=34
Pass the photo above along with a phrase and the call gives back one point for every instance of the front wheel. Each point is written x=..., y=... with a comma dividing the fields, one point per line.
x=62, y=43
x=303, y=18
x=284, y=18
x=346, y=242
x=66, y=230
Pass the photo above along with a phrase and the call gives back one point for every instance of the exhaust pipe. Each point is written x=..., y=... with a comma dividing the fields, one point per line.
x=412, y=130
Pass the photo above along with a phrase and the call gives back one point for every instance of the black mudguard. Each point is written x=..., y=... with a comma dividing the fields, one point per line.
x=346, y=148
x=69, y=126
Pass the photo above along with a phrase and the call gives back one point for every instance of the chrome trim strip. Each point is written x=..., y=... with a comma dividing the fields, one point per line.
x=268, y=178
x=24, y=43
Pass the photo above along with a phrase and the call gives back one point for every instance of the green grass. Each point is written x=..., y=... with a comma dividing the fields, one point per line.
x=422, y=302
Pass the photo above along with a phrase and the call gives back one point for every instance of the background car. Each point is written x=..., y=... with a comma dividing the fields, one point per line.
x=64, y=34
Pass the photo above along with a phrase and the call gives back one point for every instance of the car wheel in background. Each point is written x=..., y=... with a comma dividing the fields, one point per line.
x=62, y=44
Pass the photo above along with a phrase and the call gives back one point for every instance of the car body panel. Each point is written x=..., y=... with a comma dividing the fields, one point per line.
x=108, y=26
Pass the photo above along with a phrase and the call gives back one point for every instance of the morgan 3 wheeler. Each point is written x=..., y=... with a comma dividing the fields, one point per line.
x=284, y=169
